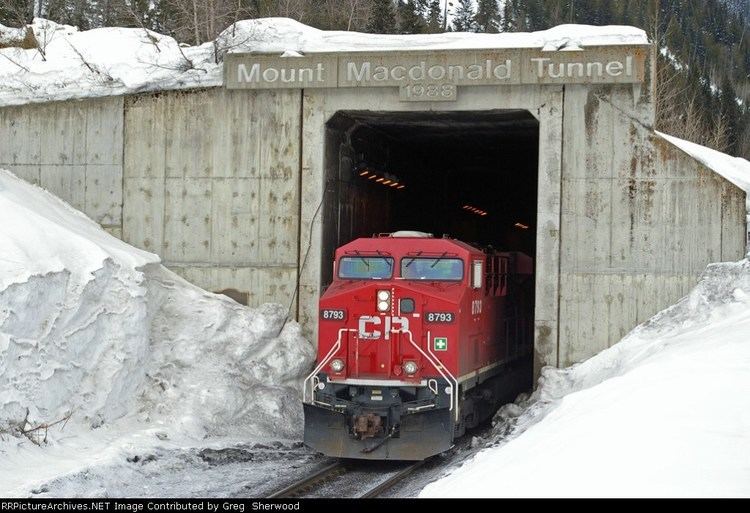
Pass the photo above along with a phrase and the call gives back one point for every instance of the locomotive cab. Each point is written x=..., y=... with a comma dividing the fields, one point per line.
x=417, y=337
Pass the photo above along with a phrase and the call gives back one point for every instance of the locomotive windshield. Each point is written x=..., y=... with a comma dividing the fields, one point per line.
x=432, y=269
x=366, y=268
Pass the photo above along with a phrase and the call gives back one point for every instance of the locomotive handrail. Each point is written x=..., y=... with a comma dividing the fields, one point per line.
x=455, y=380
x=435, y=361
x=322, y=364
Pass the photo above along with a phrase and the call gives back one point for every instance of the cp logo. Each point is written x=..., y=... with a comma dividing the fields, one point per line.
x=368, y=326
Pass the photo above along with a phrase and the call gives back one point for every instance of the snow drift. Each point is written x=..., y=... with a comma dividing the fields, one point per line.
x=94, y=327
x=111, y=61
x=662, y=413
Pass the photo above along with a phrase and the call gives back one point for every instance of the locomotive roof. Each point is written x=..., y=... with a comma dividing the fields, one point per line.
x=407, y=245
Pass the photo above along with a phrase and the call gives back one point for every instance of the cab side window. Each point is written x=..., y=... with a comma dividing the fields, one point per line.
x=477, y=273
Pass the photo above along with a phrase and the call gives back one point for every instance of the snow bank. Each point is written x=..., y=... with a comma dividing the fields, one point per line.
x=662, y=413
x=93, y=326
x=111, y=61
x=10, y=36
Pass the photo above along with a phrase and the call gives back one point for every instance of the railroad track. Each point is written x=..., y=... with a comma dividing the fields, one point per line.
x=336, y=470
x=388, y=483
x=309, y=482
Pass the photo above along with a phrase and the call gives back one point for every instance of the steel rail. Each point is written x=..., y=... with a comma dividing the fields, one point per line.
x=306, y=483
x=391, y=481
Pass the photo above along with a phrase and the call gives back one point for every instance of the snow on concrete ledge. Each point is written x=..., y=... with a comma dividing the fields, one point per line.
x=734, y=169
x=112, y=61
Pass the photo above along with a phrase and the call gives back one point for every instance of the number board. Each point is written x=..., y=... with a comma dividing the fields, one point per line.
x=439, y=317
x=329, y=314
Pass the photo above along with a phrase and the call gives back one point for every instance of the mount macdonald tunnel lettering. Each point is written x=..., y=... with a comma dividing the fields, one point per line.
x=605, y=65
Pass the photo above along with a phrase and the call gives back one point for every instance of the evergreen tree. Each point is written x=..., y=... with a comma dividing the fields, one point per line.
x=434, y=17
x=488, y=16
x=409, y=19
x=509, y=16
x=732, y=114
x=382, y=18
x=15, y=12
x=463, y=18
x=79, y=13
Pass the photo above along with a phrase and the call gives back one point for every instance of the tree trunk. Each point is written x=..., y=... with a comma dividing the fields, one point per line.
x=195, y=23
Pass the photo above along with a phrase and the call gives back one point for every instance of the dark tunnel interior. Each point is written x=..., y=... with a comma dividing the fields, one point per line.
x=471, y=175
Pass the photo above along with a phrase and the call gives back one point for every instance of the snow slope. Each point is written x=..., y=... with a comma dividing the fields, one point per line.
x=665, y=412
x=93, y=327
x=112, y=61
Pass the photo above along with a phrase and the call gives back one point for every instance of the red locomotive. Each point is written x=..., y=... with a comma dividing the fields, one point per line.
x=419, y=339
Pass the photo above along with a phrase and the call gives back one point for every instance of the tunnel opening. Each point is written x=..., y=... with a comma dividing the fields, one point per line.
x=471, y=175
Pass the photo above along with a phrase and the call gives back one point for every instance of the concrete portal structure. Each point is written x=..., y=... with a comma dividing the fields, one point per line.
x=248, y=188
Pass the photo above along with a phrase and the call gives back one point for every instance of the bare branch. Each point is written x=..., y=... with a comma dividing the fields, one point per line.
x=33, y=433
x=83, y=60
x=17, y=63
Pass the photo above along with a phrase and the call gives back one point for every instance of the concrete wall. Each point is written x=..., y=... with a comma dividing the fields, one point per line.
x=640, y=220
x=72, y=149
x=208, y=180
x=211, y=184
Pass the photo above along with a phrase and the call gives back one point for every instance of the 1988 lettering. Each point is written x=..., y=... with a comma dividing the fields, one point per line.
x=428, y=92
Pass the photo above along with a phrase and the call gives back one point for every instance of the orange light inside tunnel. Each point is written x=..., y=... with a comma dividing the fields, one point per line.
x=474, y=210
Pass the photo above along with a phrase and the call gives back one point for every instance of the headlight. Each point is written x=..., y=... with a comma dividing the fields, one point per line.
x=337, y=365
x=384, y=300
x=410, y=368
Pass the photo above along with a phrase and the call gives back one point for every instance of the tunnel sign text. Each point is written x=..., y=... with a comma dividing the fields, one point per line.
x=434, y=75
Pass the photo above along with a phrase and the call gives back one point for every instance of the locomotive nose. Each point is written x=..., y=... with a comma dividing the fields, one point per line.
x=386, y=328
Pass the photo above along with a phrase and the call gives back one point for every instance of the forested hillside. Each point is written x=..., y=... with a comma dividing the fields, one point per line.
x=704, y=57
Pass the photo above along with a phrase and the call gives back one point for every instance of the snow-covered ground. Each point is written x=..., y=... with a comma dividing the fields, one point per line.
x=665, y=412
x=110, y=61
x=137, y=358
